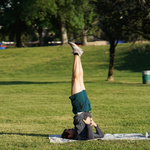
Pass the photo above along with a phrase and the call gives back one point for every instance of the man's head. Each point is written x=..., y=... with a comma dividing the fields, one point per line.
x=68, y=133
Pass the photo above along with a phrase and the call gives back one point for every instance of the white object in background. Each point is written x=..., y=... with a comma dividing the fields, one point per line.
x=146, y=135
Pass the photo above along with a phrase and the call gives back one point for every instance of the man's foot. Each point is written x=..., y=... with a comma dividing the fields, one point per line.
x=76, y=49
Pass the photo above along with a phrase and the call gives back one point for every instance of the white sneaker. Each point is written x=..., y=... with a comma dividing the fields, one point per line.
x=76, y=49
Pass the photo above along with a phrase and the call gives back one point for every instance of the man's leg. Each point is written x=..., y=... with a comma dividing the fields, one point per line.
x=77, y=76
x=81, y=77
x=79, y=99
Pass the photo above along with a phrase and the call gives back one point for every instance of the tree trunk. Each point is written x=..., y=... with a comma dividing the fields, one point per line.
x=64, y=38
x=111, y=61
x=18, y=35
x=40, y=30
x=84, y=33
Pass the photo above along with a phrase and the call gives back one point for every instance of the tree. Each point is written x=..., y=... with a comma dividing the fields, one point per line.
x=90, y=17
x=20, y=16
x=14, y=16
x=40, y=18
x=74, y=15
x=146, y=19
x=64, y=8
x=82, y=18
x=119, y=19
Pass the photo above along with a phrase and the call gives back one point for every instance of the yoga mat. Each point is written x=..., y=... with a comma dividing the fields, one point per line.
x=120, y=136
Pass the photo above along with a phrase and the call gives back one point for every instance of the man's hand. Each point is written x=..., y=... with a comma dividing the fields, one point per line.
x=87, y=121
x=90, y=121
x=93, y=123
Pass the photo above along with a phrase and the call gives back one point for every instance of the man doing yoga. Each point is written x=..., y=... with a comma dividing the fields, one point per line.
x=83, y=121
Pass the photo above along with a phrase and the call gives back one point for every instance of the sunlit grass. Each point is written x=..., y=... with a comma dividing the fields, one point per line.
x=35, y=86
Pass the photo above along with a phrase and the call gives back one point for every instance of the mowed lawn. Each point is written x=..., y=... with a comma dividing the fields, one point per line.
x=35, y=88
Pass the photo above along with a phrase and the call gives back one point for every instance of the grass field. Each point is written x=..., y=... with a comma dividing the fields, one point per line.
x=35, y=86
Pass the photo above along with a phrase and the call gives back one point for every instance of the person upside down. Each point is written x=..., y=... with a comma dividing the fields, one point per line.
x=83, y=121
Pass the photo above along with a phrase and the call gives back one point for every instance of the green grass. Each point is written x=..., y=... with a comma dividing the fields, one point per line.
x=35, y=86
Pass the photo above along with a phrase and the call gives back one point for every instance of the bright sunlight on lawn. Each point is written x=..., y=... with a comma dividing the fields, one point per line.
x=35, y=88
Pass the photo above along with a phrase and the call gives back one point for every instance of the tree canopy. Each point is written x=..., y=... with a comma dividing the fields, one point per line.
x=119, y=20
x=116, y=19
x=14, y=16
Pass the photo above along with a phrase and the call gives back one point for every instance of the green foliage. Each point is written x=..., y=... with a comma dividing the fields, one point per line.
x=41, y=10
x=35, y=85
x=69, y=11
x=120, y=19
x=146, y=20
x=14, y=18
x=31, y=13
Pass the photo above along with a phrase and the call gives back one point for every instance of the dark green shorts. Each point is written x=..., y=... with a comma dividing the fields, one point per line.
x=80, y=102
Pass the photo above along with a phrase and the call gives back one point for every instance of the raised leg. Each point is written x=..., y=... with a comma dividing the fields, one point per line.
x=77, y=76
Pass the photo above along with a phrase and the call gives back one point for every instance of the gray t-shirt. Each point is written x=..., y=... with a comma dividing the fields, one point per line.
x=83, y=131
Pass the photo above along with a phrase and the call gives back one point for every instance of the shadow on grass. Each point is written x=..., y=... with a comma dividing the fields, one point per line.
x=104, y=82
x=25, y=134
x=29, y=82
x=140, y=84
x=136, y=60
